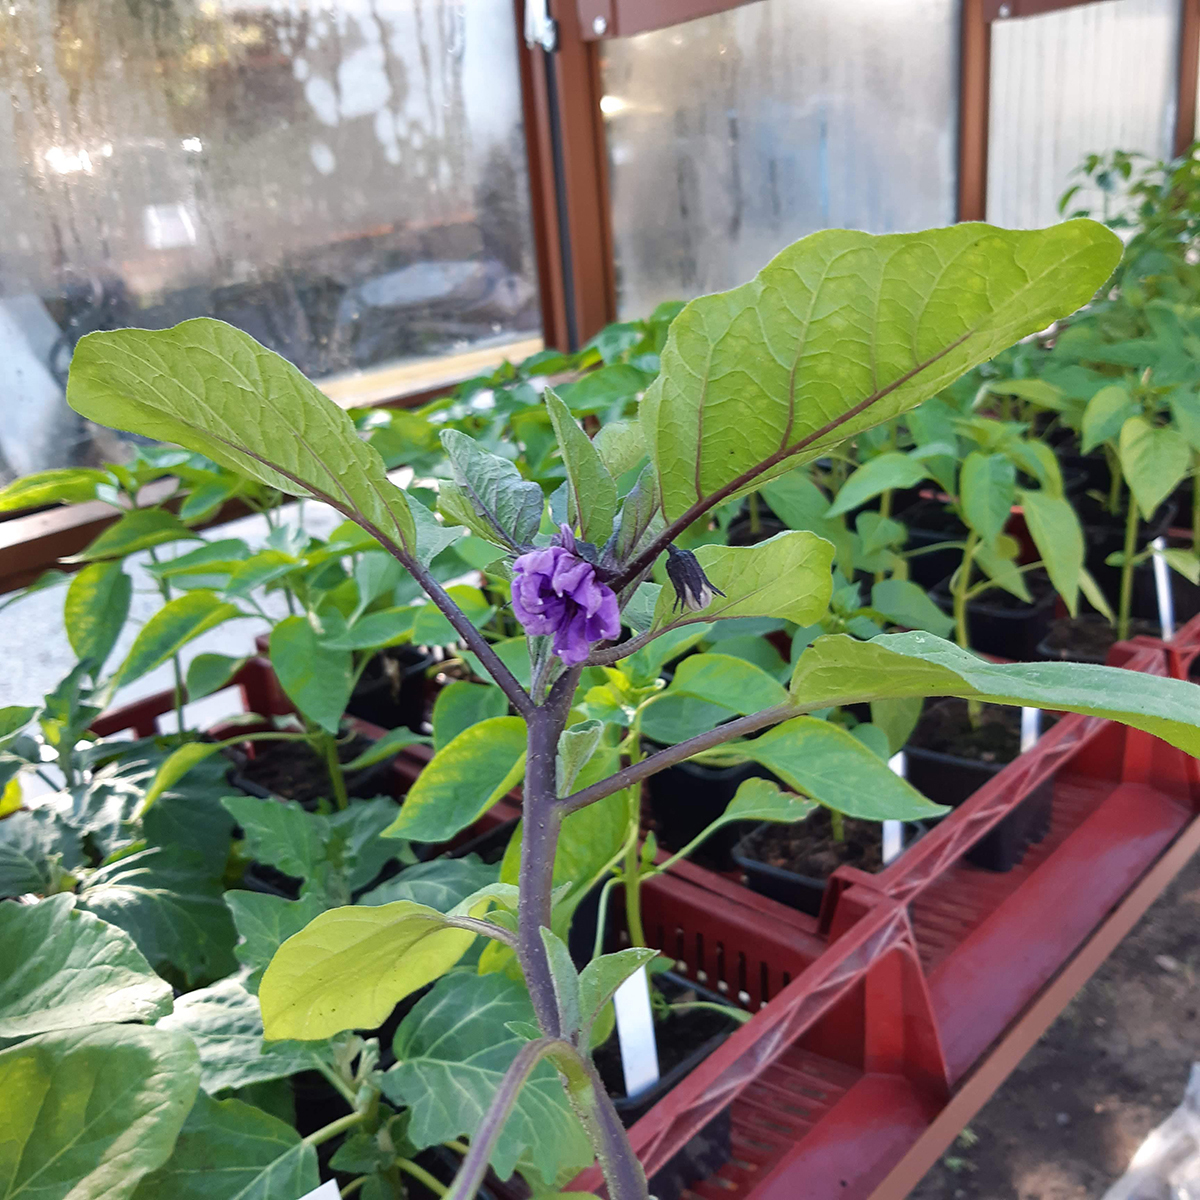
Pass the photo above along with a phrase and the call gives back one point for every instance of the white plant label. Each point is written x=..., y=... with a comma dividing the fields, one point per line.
x=327, y=1191
x=1162, y=589
x=1031, y=727
x=635, y=1034
x=893, y=831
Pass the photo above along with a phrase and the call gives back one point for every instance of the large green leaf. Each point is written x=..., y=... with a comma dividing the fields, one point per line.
x=209, y=387
x=839, y=670
x=317, y=680
x=463, y=780
x=825, y=762
x=841, y=317
x=786, y=576
x=988, y=486
x=225, y=1022
x=85, y=1113
x=460, y=704
x=430, y=626
x=168, y=902
x=229, y=1150
x=264, y=922
x=35, y=847
x=171, y=628
x=95, y=609
x=350, y=966
x=65, y=969
x=740, y=685
x=451, y=1053
x=1154, y=459
x=1056, y=532
x=1106, y=412
x=591, y=492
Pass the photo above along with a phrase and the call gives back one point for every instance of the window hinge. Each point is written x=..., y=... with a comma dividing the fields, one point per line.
x=541, y=29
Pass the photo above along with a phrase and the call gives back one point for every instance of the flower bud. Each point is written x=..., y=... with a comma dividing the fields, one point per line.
x=693, y=590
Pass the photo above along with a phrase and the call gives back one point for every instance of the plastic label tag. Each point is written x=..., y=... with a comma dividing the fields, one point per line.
x=1031, y=727
x=327, y=1191
x=1162, y=589
x=635, y=1034
x=893, y=831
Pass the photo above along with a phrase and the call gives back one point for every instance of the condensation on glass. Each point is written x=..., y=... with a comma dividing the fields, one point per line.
x=343, y=179
x=1084, y=80
x=733, y=135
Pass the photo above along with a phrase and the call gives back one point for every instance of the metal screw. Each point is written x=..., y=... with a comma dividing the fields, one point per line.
x=600, y=26
x=1004, y=11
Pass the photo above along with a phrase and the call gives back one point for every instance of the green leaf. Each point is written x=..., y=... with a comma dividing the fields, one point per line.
x=264, y=922
x=904, y=603
x=841, y=317
x=208, y=673
x=644, y=666
x=204, y=500
x=786, y=576
x=430, y=626
x=463, y=780
x=1185, y=562
x=225, y=1024
x=1185, y=413
x=1106, y=412
x=170, y=905
x=897, y=719
x=34, y=849
x=387, y=746
x=513, y=653
x=87, y=1112
x=441, y=884
x=565, y=977
x=504, y=508
x=1056, y=532
x=599, y=980
x=1154, y=460
x=177, y=764
x=178, y=622
x=620, y=445
x=576, y=745
x=432, y=535
x=350, y=966
x=1000, y=566
x=377, y=630
x=839, y=670
x=228, y=1150
x=827, y=763
x=136, y=530
x=95, y=609
x=591, y=492
x=987, y=483
x=317, y=680
x=211, y=388
x=452, y=1051
x=283, y=835
x=460, y=705
x=764, y=800
x=14, y=718
x=65, y=969
x=880, y=474
x=738, y=685
x=673, y=718
x=639, y=519
x=62, y=485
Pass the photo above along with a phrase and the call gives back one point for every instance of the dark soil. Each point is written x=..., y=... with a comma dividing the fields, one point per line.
x=809, y=847
x=1114, y=1065
x=945, y=727
x=1087, y=638
x=295, y=771
x=678, y=1035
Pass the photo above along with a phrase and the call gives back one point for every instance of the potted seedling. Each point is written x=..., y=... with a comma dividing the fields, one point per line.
x=803, y=384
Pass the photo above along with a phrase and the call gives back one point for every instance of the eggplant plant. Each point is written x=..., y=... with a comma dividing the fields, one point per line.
x=840, y=332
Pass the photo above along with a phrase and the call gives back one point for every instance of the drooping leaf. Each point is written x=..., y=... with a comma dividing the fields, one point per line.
x=61, y=485
x=169, y=903
x=839, y=318
x=904, y=603
x=451, y=1053
x=95, y=609
x=225, y=1023
x=65, y=969
x=786, y=576
x=506, y=508
x=386, y=747
x=229, y=1150
x=830, y=765
x=34, y=848
x=897, y=718
x=463, y=780
x=1056, y=532
x=1001, y=567
x=740, y=685
x=264, y=922
x=317, y=680
x=988, y=486
x=879, y=474
x=1153, y=459
x=601, y=977
x=839, y=670
x=460, y=704
x=87, y=1112
x=211, y=388
x=591, y=492
x=208, y=673
x=178, y=622
x=136, y=530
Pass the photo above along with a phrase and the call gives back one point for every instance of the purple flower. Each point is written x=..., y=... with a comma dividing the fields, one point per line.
x=554, y=591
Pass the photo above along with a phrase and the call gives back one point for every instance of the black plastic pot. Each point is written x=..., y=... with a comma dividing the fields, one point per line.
x=391, y=692
x=371, y=781
x=930, y=522
x=1005, y=626
x=950, y=780
x=1104, y=535
x=804, y=892
x=1051, y=649
x=687, y=798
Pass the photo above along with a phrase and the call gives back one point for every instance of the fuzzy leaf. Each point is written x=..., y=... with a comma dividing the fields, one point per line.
x=591, y=492
x=507, y=508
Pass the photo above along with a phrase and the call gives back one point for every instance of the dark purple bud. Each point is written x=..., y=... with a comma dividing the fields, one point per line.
x=693, y=590
x=555, y=592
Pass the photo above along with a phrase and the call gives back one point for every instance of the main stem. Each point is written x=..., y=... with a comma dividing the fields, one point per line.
x=1131, y=524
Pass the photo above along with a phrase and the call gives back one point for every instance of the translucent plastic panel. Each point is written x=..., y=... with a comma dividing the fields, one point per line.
x=1095, y=78
x=733, y=135
x=344, y=179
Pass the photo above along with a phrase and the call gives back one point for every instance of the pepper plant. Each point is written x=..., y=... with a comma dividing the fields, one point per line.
x=840, y=332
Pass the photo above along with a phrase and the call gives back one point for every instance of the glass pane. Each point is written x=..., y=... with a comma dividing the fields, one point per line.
x=1097, y=78
x=343, y=179
x=733, y=135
